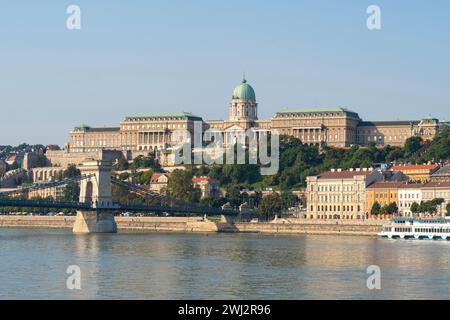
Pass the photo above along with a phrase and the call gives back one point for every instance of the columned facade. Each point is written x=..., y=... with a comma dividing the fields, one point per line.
x=335, y=127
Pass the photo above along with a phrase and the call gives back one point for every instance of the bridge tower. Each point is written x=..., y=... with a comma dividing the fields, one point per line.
x=96, y=190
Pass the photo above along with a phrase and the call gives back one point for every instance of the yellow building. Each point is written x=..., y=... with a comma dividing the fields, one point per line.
x=54, y=193
x=384, y=193
x=417, y=172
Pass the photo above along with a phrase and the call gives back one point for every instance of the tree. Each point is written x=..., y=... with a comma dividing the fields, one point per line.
x=71, y=192
x=415, y=207
x=412, y=145
x=270, y=205
x=144, y=177
x=439, y=148
x=392, y=208
x=71, y=172
x=124, y=176
x=448, y=209
x=288, y=200
x=234, y=195
x=122, y=164
x=385, y=209
x=430, y=206
x=213, y=202
x=142, y=162
x=180, y=186
x=376, y=208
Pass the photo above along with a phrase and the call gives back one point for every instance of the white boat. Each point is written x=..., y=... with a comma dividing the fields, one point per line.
x=420, y=229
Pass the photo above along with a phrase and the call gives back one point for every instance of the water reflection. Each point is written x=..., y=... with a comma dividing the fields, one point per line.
x=222, y=266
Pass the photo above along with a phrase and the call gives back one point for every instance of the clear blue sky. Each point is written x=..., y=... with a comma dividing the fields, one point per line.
x=155, y=56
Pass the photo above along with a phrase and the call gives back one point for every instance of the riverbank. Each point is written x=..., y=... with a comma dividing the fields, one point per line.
x=196, y=224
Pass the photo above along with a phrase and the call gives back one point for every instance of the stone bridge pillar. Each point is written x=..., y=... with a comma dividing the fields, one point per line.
x=96, y=190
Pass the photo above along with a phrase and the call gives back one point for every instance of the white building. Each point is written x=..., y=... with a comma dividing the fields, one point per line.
x=407, y=195
x=339, y=194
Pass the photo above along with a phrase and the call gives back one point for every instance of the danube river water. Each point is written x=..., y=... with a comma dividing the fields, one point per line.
x=33, y=265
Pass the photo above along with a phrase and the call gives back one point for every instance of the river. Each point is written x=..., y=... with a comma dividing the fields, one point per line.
x=33, y=265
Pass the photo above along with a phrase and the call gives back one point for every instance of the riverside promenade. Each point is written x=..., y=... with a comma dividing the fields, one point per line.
x=198, y=224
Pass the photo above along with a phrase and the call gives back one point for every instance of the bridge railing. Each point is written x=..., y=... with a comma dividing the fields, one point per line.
x=43, y=204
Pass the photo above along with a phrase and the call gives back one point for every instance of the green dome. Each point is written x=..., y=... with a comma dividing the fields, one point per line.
x=244, y=91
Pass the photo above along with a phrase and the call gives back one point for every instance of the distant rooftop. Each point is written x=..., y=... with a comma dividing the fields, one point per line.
x=444, y=171
x=414, y=167
x=386, y=123
x=347, y=174
x=184, y=115
x=386, y=185
x=319, y=110
x=437, y=184
x=85, y=128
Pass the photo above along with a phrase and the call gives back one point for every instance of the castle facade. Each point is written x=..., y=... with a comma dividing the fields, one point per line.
x=336, y=127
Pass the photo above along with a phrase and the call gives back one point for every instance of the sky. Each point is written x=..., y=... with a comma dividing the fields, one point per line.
x=134, y=57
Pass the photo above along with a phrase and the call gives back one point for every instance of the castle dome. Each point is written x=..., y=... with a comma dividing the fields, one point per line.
x=244, y=91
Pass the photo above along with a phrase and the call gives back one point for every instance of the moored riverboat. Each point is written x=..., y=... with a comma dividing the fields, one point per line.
x=420, y=229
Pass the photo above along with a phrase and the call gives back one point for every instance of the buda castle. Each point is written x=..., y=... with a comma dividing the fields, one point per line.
x=336, y=127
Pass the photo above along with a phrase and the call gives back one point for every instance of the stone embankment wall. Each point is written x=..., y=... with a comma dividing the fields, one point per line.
x=298, y=226
x=165, y=224
x=36, y=222
x=138, y=224
x=182, y=224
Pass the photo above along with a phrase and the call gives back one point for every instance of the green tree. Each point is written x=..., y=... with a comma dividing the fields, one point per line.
x=124, y=176
x=71, y=172
x=233, y=195
x=448, y=209
x=438, y=149
x=384, y=209
x=270, y=205
x=142, y=162
x=71, y=192
x=415, y=207
x=289, y=200
x=430, y=206
x=376, y=208
x=180, y=186
x=412, y=145
x=392, y=208
x=213, y=202
x=145, y=177
x=122, y=164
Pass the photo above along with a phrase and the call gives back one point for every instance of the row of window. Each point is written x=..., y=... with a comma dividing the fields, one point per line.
x=154, y=126
x=409, y=196
x=336, y=208
x=334, y=188
x=384, y=195
x=388, y=138
x=336, y=198
x=421, y=230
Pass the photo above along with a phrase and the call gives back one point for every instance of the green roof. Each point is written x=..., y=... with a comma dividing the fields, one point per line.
x=184, y=115
x=244, y=91
x=82, y=127
x=338, y=109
